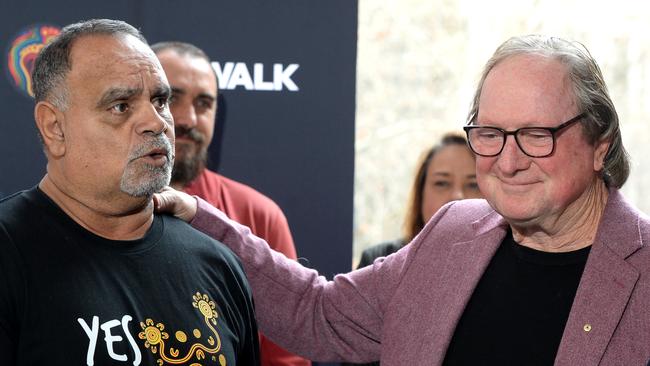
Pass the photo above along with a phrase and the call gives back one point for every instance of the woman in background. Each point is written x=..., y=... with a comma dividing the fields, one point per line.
x=446, y=172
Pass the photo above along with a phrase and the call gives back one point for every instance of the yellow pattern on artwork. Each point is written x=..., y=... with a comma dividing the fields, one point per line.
x=155, y=336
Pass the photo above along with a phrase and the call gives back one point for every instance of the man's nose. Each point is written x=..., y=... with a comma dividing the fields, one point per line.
x=511, y=157
x=153, y=122
x=184, y=115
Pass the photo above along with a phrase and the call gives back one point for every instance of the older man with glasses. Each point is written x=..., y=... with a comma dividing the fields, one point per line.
x=552, y=268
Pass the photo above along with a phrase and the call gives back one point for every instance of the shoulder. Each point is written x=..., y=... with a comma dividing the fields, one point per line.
x=17, y=201
x=456, y=222
x=17, y=233
x=203, y=258
x=247, y=192
x=469, y=210
x=469, y=216
x=255, y=210
x=625, y=231
x=23, y=211
x=248, y=196
x=623, y=228
x=196, y=246
x=427, y=255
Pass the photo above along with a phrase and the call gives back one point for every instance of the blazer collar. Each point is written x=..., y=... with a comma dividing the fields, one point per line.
x=606, y=285
x=620, y=227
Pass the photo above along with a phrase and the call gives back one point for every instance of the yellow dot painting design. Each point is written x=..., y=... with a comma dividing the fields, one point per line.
x=201, y=352
x=181, y=336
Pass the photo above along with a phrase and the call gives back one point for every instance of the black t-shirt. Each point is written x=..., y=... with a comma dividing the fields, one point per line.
x=517, y=313
x=69, y=297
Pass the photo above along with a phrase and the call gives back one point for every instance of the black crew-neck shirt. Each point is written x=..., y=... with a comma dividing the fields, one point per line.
x=70, y=297
x=517, y=313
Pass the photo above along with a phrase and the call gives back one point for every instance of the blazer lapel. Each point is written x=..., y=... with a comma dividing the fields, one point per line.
x=602, y=296
x=460, y=276
x=605, y=288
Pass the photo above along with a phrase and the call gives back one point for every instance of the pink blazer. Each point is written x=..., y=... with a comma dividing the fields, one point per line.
x=404, y=308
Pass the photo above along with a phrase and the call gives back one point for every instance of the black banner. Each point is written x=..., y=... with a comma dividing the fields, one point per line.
x=286, y=115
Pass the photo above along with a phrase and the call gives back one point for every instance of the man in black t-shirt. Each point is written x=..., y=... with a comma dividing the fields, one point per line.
x=88, y=274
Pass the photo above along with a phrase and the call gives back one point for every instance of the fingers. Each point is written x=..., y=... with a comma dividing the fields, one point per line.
x=162, y=202
x=156, y=202
x=189, y=206
x=177, y=203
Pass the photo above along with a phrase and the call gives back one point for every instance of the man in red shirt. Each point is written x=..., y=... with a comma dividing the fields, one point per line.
x=194, y=107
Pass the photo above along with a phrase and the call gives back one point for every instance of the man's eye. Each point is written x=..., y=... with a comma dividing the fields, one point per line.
x=205, y=103
x=536, y=134
x=160, y=103
x=120, y=108
x=488, y=134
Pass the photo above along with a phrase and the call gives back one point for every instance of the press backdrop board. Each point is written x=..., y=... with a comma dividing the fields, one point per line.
x=286, y=119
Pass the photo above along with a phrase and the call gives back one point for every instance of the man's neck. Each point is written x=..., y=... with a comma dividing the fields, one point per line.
x=126, y=219
x=575, y=229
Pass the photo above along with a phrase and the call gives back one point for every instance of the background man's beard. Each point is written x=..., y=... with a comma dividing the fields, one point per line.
x=187, y=168
x=191, y=159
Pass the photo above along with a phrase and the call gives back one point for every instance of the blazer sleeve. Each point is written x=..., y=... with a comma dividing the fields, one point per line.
x=294, y=303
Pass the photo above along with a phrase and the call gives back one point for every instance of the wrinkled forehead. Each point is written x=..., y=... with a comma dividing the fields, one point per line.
x=529, y=88
x=109, y=59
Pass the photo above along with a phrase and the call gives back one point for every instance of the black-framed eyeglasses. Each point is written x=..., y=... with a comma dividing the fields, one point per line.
x=536, y=142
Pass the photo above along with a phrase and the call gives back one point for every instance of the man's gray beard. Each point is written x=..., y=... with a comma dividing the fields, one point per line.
x=158, y=178
x=145, y=180
x=188, y=168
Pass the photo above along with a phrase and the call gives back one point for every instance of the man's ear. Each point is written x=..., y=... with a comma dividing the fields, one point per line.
x=602, y=148
x=49, y=121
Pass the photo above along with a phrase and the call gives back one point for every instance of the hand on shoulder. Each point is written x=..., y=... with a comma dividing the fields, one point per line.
x=176, y=203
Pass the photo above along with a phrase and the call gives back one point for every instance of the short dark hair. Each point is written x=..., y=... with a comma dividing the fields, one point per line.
x=53, y=62
x=182, y=48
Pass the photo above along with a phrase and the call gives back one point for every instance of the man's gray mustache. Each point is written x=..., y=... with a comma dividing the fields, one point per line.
x=158, y=143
